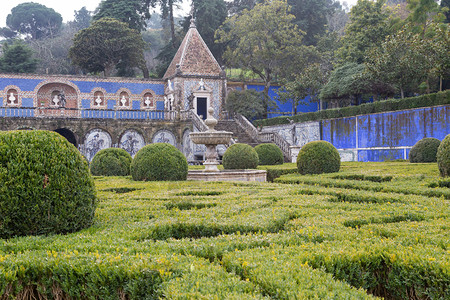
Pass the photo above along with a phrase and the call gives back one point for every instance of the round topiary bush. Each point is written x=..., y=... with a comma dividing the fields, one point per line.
x=240, y=156
x=111, y=162
x=45, y=185
x=424, y=151
x=318, y=157
x=269, y=154
x=159, y=162
x=443, y=157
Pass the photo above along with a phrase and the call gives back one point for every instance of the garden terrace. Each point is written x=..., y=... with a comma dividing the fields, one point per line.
x=371, y=230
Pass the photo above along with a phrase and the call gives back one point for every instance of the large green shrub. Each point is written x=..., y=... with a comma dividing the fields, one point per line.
x=269, y=154
x=318, y=157
x=111, y=162
x=424, y=151
x=240, y=156
x=443, y=157
x=160, y=161
x=45, y=185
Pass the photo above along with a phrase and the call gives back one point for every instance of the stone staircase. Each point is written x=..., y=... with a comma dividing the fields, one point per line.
x=239, y=134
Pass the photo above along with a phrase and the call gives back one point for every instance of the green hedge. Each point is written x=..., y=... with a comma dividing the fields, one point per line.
x=160, y=162
x=45, y=185
x=111, y=162
x=240, y=156
x=441, y=98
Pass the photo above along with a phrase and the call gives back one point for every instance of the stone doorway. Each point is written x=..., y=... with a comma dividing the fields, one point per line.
x=69, y=135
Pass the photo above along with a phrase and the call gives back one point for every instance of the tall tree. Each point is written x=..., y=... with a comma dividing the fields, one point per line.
x=82, y=18
x=421, y=12
x=400, y=62
x=265, y=40
x=209, y=16
x=17, y=58
x=369, y=24
x=237, y=6
x=35, y=20
x=311, y=16
x=105, y=44
x=132, y=12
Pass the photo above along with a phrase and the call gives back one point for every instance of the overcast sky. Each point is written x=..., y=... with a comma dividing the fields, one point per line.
x=66, y=7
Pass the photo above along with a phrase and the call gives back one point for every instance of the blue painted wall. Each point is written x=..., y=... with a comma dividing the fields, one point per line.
x=390, y=130
x=284, y=107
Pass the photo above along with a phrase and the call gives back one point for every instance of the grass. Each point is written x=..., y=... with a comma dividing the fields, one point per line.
x=347, y=235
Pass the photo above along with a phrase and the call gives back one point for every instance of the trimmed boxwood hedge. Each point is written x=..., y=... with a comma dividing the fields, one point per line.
x=318, y=157
x=159, y=162
x=443, y=157
x=424, y=151
x=45, y=185
x=240, y=156
x=111, y=162
x=440, y=98
x=269, y=154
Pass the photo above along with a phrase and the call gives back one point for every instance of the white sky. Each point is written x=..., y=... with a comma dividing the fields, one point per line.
x=67, y=7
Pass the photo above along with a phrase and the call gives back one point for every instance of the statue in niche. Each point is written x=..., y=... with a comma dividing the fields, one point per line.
x=55, y=100
x=62, y=99
x=98, y=100
x=12, y=98
x=123, y=100
x=147, y=101
x=191, y=98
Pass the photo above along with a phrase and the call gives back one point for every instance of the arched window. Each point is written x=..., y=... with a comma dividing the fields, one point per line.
x=148, y=100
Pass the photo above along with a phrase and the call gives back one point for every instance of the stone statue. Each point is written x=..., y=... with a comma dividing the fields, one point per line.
x=55, y=100
x=62, y=99
x=12, y=98
x=98, y=100
x=123, y=101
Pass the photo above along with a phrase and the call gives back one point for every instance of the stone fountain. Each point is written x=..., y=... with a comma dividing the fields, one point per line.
x=211, y=138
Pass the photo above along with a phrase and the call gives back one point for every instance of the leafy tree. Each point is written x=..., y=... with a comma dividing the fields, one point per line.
x=265, y=40
x=311, y=16
x=306, y=83
x=7, y=33
x=35, y=20
x=106, y=43
x=82, y=18
x=17, y=58
x=421, y=11
x=132, y=12
x=399, y=61
x=248, y=103
x=369, y=24
x=350, y=82
x=52, y=53
x=445, y=6
x=238, y=6
x=209, y=15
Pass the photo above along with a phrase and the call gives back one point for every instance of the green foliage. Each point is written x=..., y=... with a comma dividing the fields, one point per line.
x=440, y=98
x=17, y=58
x=82, y=18
x=312, y=16
x=369, y=24
x=248, y=103
x=264, y=40
x=34, y=19
x=46, y=186
x=247, y=240
x=443, y=157
x=132, y=12
x=111, y=162
x=269, y=154
x=106, y=43
x=276, y=171
x=160, y=161
x=424, y=151
x=318, y=157
x=240, y=156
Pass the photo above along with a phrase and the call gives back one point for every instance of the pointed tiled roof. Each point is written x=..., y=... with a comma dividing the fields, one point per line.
x=193, y=57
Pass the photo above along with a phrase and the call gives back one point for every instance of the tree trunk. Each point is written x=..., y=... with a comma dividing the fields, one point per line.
x=440, y=83
x=402, y=93
x=172, y=23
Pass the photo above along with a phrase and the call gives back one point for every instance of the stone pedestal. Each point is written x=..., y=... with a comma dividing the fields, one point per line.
x=228, y=175
x=294, y=150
